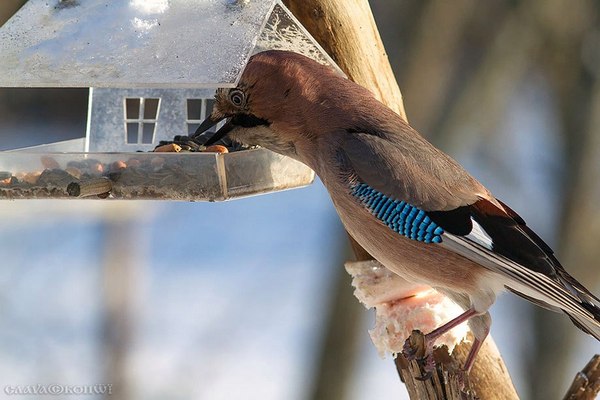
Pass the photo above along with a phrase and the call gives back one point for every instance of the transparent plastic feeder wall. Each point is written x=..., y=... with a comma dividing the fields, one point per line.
x=152, y=67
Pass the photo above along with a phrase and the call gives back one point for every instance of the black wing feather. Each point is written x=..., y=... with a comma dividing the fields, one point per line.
x=510, y=236
x=513, y=239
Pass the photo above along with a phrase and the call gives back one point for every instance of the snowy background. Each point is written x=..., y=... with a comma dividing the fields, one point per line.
x=231, y=300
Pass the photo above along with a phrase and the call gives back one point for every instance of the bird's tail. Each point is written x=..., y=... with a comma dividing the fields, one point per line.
x=588, y=301
x=583, y=308
x=561, y=292
x=586, y=325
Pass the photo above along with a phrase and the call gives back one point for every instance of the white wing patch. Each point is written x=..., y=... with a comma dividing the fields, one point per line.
x=480, y=236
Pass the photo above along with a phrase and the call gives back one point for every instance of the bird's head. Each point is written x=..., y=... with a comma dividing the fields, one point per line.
x=281, y=103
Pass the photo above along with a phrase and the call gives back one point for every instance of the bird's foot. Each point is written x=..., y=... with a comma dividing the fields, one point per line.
x=408, y=351
x=427, y=366
x=417, y=346
x=461, y=378
x=425, y=377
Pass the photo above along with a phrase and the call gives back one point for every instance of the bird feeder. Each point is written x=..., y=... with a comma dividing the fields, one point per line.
x=152, y=67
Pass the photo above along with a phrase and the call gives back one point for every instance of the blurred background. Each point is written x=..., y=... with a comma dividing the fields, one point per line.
x=248, y=299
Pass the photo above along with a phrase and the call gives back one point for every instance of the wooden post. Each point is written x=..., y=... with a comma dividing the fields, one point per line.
x=346, y=29
x=586, y=384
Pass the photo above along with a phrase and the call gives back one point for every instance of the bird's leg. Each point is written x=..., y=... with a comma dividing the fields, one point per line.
x=466, y=369
x=429, y=340
x=436, y=333
x=432, y=336
x=477, y=343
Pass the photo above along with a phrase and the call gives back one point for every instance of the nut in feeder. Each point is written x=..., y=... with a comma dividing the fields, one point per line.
x=152, y=68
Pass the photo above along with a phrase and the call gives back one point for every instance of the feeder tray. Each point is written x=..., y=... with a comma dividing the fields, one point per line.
x=170, y=176
x=151, y=67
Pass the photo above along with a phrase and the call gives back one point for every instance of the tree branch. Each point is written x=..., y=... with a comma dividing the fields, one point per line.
x=586, y=384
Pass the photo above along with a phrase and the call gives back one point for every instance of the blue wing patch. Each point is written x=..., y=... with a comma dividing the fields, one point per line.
x=400, y=216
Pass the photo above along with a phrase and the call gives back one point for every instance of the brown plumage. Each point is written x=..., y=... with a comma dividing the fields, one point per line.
x=359, y=147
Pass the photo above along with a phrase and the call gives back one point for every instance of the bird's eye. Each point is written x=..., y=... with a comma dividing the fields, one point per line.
x=237, y=97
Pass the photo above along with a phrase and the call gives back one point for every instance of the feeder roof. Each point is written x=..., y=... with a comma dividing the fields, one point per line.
x=130, y=43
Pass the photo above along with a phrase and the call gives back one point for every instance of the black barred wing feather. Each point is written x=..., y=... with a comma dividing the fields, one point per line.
x=401, y=217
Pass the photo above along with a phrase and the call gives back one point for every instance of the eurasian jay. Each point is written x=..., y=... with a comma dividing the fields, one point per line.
x=412, y=207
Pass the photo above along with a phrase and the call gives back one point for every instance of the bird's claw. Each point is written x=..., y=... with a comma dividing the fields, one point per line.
x=409, y=351
x=461, y=379
x=426, y=376
x=428, y=366
x=422, y=353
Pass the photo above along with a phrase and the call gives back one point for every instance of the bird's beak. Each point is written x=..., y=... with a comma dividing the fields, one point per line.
x=221, y=133
x=209, y=123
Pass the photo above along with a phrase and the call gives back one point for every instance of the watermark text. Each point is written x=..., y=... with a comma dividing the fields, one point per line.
x=55, y=389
